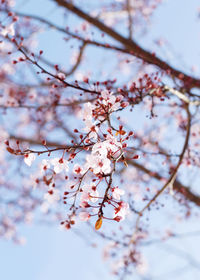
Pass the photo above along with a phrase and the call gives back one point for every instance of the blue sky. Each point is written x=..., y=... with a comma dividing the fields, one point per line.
x=51, y=254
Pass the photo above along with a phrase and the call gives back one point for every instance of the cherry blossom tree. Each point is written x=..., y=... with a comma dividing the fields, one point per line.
x=97, y=129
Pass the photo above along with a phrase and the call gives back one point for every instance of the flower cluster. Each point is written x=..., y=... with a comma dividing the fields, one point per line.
x=106, y=104
x=91, y=192
x=57, y=164
x=99, y=161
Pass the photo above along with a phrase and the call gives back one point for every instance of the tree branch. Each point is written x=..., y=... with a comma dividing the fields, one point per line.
x=131, y=46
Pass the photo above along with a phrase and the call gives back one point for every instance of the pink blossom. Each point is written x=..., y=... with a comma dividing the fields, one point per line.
x=84, y=196
x=61, y=76
x=94, y=196
x=91, y=129
x=84, y=216
x=78, y=170
x=100, y=149
x=98, y=164
x=87, y=111
x=110, y=100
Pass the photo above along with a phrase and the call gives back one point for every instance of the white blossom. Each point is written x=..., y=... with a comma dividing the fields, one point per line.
x=116, y=193
x=59, y=165
x=44, y=165
x=29, y=158
x=52, y=196
x=123, y=212
x=8, y=30
x=87, y=111
x=94, y=196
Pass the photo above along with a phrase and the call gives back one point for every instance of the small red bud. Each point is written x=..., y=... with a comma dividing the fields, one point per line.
x=136, y=157
x=7, y=142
